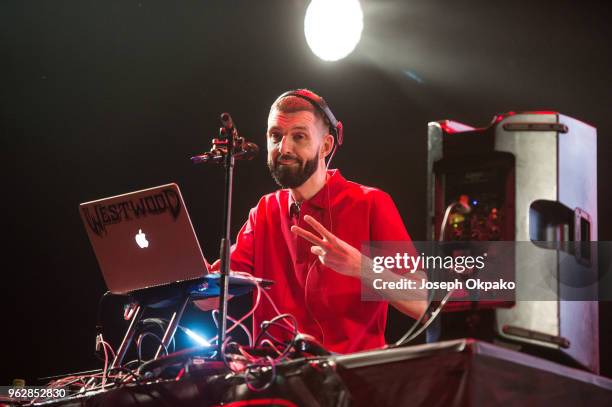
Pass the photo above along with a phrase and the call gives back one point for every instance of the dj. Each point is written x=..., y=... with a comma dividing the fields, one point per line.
x=307, y=236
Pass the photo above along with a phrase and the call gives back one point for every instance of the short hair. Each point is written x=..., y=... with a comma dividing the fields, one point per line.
x=294, y=104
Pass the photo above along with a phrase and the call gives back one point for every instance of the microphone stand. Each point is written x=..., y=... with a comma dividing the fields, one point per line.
x=229, y=133
x=226, y=149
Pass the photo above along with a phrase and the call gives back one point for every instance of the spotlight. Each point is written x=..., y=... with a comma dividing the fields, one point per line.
x=333, y=27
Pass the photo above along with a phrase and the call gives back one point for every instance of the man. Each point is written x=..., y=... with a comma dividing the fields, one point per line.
x=307, y=236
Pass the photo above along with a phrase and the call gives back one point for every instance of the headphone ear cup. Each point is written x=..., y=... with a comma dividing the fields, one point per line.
x=339, y=133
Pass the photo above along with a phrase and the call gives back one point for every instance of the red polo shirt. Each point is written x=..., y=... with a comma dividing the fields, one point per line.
x=325, y=303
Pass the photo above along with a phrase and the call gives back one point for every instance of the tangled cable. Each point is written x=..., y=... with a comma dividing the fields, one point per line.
x=259, y=372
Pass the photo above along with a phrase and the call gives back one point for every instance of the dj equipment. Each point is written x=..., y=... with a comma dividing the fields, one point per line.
x=451, y=374
x=335, y=126
x=530, y=178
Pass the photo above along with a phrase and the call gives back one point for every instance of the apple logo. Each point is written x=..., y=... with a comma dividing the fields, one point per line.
x=141, y=239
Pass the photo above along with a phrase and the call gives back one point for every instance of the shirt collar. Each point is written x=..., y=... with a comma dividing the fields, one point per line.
x=324, y=196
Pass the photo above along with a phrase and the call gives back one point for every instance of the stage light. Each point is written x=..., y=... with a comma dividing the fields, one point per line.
x=333, y=27
x=197, y=338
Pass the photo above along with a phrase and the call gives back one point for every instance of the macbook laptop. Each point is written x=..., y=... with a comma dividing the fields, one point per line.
x=146, y=247
x=143, y=239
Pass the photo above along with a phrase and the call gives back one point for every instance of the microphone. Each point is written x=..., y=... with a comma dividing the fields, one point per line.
x=294, y=210
x=243, y=150
x=213, y=156
x=228, y=123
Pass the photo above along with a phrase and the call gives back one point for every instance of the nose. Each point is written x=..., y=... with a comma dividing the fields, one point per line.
x=285, y=146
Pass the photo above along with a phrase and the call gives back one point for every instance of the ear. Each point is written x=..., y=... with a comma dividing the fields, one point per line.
x=328, y=145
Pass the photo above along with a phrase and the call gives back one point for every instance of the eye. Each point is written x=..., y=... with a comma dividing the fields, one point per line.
x=275, y=136
x=299, y=136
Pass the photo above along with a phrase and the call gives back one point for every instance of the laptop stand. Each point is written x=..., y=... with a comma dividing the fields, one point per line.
x=177, y=295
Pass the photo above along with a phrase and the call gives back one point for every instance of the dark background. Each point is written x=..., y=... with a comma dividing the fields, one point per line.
x=102, y=98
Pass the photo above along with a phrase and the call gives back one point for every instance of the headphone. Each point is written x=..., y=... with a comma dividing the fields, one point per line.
x=335, y=126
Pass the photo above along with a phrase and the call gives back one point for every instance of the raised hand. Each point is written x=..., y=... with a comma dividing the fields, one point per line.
x=332, y=251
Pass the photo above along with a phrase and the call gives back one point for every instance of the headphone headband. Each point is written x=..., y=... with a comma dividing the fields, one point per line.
x=335, y=127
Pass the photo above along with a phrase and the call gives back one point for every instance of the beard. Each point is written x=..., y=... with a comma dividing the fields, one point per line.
x=292, y=176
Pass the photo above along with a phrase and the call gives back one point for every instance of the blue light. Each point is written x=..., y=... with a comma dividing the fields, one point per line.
x=196, y=338
x=474, y=202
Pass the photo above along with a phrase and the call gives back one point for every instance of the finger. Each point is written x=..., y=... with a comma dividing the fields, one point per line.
x=312, y=238
x=318, y=251
x=319, y=228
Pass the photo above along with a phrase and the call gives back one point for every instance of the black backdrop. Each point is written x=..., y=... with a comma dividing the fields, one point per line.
x=101, y=98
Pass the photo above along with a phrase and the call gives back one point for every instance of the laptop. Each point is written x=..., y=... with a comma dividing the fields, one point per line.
x=143, y=239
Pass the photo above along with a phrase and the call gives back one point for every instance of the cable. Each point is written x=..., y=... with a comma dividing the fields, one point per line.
x=313, y=265
x=331, y=156
x=215, y=315
x=223, y=353
x=106, y=344
x=254, y=367
x=466, y=209
x=260, y=364
x=404, y=338
x=270, y=344
x=260, y=290
x=408, y=337
x=141, y=338
x=265, y=325
x=129, y=373
x=87, y=382
x=269, y=298
x=105, y=364
x=432, y=317
x=162, y=324
x=99, y=325
x=272, y=364
x=248, y=314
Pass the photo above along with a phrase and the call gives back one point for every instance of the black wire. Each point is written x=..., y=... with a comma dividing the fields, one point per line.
x=274, y=339
x=416, y=323
x=406, y=338
x=223, y=353
x=265, y=325
x=125, y=370
x=160, y=323
x=126, y=365
x=268, y=361
x=433, y=316
x=250, y=376
x=141, y=338
x=268, y=383
x=215, y=316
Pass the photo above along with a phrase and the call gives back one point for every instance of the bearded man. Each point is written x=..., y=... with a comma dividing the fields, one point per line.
x=307, y=236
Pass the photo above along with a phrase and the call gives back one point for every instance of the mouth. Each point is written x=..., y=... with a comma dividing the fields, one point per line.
x=286, y=161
